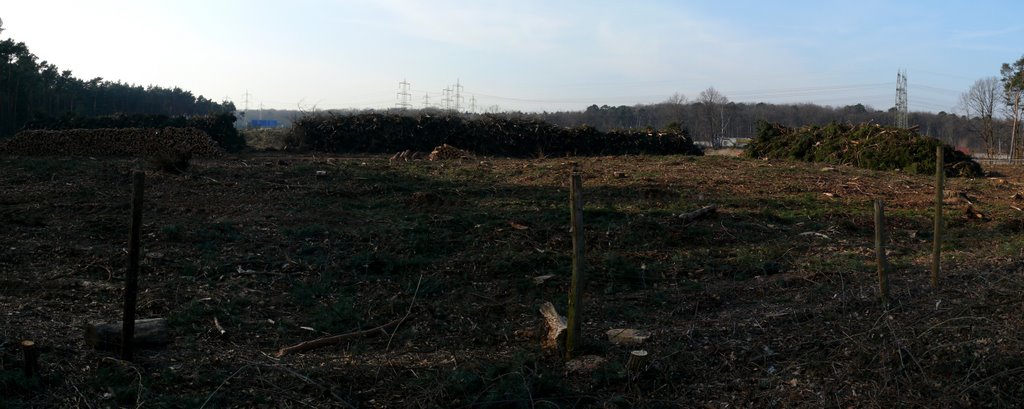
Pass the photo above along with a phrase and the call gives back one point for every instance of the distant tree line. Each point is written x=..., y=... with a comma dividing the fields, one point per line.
x=713, y=120
x=717, y=122
x=33, y=90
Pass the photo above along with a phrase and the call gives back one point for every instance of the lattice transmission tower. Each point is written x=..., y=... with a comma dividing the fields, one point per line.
x=902, y=115
x=446, y=99
x=404, y=96
x=458, y=95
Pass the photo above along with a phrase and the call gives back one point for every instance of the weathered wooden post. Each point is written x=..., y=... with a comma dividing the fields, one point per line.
x=576, y=286
x=937, y=241
x=883, y=273
x=131, y=286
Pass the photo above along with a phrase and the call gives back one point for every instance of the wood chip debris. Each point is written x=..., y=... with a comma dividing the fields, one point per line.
x=627, y=336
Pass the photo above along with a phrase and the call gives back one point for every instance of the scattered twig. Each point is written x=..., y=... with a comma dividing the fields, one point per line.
x=220, y=329
x=312, y=382
x=407, y=312
x=138, y=375
x=333, y=339
x=225, y=381
x=1011, y=371
x=948, y=321
x=699, y=213
x=85, y=400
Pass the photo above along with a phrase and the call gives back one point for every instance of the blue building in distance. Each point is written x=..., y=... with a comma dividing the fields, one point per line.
x=263, y=123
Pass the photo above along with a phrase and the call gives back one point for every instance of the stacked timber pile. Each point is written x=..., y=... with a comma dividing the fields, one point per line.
x=144, y=142
x=220, y=127
x=869, y=146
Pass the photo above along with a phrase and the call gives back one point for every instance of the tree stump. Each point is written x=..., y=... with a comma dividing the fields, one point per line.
x=556, y=326
x=637, y=361
x=30, y=357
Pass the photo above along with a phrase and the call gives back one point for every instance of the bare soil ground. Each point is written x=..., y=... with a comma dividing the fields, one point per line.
x=771, y=302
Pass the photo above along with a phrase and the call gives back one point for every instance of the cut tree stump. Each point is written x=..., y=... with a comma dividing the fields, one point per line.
x=637, y=361
x=150, y=332
x=556, y=326
x=30, y=358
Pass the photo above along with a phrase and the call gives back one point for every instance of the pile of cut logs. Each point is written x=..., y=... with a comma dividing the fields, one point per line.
x=111, y=142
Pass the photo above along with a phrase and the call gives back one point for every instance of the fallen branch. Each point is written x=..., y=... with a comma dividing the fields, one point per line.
x=699, y=213
x=334, y=339
x=150, y=332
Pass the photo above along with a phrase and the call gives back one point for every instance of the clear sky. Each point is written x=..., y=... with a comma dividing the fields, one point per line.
x=526, y=54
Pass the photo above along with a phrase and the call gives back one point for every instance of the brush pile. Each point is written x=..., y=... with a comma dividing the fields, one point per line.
x=142, y=142
x=869, y=146
x=485, y=135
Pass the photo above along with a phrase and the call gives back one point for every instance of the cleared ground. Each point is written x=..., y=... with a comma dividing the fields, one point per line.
x=771, y=302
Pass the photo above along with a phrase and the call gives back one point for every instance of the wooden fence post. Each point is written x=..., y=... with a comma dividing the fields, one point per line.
x=937, y=240
x=883, y=264
x=575, y=298
x=131, y=286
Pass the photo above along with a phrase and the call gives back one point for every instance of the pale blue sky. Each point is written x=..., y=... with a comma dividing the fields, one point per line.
x=529, y=55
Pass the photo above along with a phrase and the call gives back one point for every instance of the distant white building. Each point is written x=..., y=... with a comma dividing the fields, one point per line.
x=726, y=143
x=735, y=142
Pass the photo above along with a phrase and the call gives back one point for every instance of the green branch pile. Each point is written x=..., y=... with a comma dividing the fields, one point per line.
x=869, y=146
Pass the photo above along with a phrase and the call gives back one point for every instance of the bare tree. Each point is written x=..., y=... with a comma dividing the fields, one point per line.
x=979, y=106
x=1013, y=90
x=675, y=106
x=676, y=99
x=714, y=120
